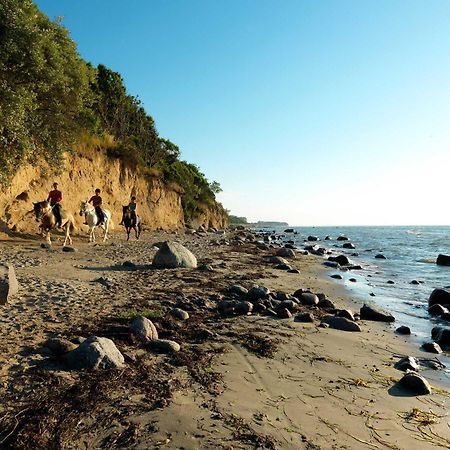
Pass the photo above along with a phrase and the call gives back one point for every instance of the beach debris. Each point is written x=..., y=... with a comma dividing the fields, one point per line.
x=69, y=249
x=439, y=296
x=437, y=310
x=257, y=292
x=443, y=260
x=340, y=323
x=286, y=252
x=403, y=330
x=370, y=313
x=144, y=329
x=348, y=245
x=336, y=276
x=238, y=290
x=345, y=313
x=407, y=363
x=95, y=353
x=164, y=346
x=9, y=285
x=172, y=255
x=441, y=335
x=415, y=383
x=59, y=346
x=380, y=256
x=304, y=317
x=432, y=347
x=180, y=314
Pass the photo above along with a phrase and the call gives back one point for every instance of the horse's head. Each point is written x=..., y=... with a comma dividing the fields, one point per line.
x=83, y=208
x=40, y=208
x=126, y=210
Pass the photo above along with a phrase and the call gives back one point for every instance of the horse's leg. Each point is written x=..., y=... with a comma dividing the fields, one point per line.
x=49, y=242
x=106, y=225
x=128, y=233
x=66, y=229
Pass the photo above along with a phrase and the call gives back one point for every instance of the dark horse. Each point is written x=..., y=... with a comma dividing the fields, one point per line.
x=131, y=221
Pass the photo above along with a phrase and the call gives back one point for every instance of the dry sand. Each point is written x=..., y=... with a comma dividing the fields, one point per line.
x=238, y=382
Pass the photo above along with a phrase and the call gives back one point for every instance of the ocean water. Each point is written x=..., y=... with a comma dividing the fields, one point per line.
x=411, y=253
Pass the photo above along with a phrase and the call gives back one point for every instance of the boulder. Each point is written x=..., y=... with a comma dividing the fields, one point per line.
x=348, y=245
x=407, y=363
x=403, y=330
x=443, y=260
x=415, y=383
x=325, y=303
x=277, y=260
x=441, y=335
x=432, y=347
x=340, y=259
x=164, y=346
x=342, y=238
x=380, y=256
x=327, y=238
x=369, y=313
x=284, y=313
x=437, y=310
x=286, y=252
x=8, y=283
x=336, y=276
x=257, y=292
x=289, y=304
x=144, y=329
x=244, y=308
x=308, y=298
x=414, y=282
x=312, y=238
x=180, y=314
x=238, y=290
x=59, y=346
x=95, y=353
x=172, y=255
x=304, y=317
x=439, y=296
x=332, y=264
x=289, y=230
x=283, y=267
x=340, y=323
x=345, y=313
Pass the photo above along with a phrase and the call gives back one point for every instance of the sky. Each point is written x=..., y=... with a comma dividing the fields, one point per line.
x=330, y=112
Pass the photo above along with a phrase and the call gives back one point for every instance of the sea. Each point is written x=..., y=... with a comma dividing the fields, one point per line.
x=410, y=252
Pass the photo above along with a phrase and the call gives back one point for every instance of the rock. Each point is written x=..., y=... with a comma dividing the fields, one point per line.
x=257, y=292
x=336, y=276
x=326, y=304
x=345, y=313
x=407, y=363
x=293, y=271
x=353, y=280
x=277, y=260
x=446, y=316
x=441, y=335
x=289, y=304
x=8, y=283
x=304, y=317
x=332, y=264
x=284, y=313
x=238, y=290
x=291, y=246
x=390, y=282
x=69, y=249
x=180, y=314
x=227, y=307
x=309, y=299
x=59, y=346
x=439, y=296
x=414, y=282
x=244, y=308
x=340, y=259
x=46, y=246
x=348, y=245
x=172, y=255
x=286, y=252
x=342, y=238
x=289, y=230
x=369, y=313
x=164, y=346
x=340, y=323
x=403, y=330
x=313, y=238
x=380, y=256
x=129, y=264
x=354, y=267
x=327, y=238
x=443, y=260
x=432, y=347
x=95, y=353
x=205, y=268
x=415, y=383
x=437, y=310
x=144, y=329
x=283, y=267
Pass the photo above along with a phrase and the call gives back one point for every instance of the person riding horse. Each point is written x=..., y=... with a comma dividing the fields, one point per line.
x=97, y=201
x=132, y=208
x=55, y=198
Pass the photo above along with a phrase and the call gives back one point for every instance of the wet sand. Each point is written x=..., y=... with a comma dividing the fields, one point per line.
x=238, y=382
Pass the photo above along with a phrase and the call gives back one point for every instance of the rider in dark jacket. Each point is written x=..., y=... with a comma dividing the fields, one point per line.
x=96, y=201
x=55, y=198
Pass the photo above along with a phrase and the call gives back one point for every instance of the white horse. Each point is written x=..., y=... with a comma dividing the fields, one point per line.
x=92, y=219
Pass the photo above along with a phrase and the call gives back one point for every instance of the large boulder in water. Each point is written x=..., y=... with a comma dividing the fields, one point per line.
x=8, y=283
x=340, y=259
x=441, y=335
x=440, y=297
x=369, y=313
x=95, y=353
x=172, y=255
x=443, y=260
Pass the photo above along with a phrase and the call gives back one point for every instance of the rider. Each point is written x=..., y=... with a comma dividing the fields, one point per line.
x=96, y=201
x=55, y=198
x=132, y=207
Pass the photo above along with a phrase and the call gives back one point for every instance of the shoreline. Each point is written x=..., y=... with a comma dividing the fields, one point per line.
x=246, y=382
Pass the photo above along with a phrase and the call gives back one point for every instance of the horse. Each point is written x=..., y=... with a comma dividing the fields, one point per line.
x=131, y=222
x=92, y=220
x=44, y=213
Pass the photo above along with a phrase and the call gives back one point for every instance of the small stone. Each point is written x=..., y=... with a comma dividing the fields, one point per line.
x=180, y=313
x=164, y=346
x=129, y=264
x=403, y=330
x=144, y=329
x=336, y=276
x=414, y=282
x=69, y=249
x=353, y=280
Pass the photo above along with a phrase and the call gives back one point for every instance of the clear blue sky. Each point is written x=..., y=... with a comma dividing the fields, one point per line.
x=313, y=112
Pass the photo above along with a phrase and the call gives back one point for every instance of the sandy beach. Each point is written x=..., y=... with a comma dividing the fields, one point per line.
x=238, y=382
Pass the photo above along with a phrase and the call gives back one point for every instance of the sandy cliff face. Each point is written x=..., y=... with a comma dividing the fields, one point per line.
x=158, y=205
x=212, y=216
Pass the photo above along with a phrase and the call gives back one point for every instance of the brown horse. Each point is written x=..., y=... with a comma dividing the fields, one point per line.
x=131, y=221
x=44, y=214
